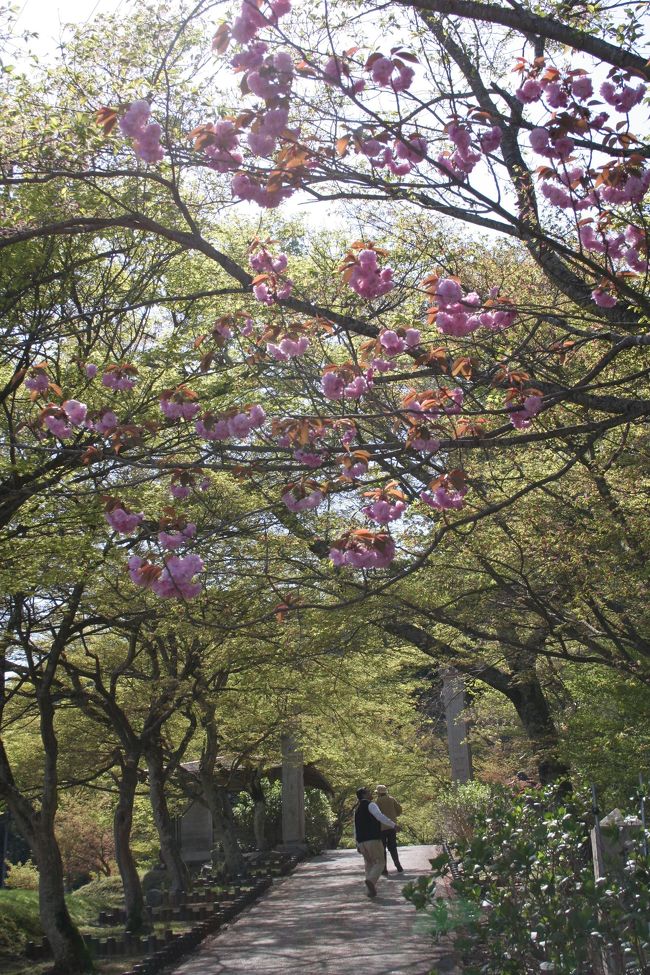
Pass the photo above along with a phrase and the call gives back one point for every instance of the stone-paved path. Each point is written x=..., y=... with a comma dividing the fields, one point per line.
x=319, y=921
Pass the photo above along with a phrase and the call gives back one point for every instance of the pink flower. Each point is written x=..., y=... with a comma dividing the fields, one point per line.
x=177, y=539
x=300, y=499
x=530, y=91
x=622, y=97
x=209, y=428
x=414, y=148
x=603, y=298
x=391, y=342
x=135, y=118
x=491, y=139
x=538, y=139
x=106, y=423
x=273, y=78
x=91, y=370
x=38, y=381
x=556, y=96
x=76, y=411
x=381, y=71
x=179, y=491
x=250, y=57
x=367, y=279
x=118, y=379
x=363, y=551
x=175, y=580
x=449, y=291
x=582, y=87
x=122, y=521
x=308, y=459
x=384, y=512
x=332, y=385
x=442, y=499
x=147, y=146
x=522, y=416
x=427, y=445
x=179, y=404
x=57, y=424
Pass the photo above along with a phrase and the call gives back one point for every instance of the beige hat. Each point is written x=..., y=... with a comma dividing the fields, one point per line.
x=381, y=790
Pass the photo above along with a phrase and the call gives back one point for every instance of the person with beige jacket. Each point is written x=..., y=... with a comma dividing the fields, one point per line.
x=392, y=809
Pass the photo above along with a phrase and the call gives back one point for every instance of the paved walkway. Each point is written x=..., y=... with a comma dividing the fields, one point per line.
x=318, y=921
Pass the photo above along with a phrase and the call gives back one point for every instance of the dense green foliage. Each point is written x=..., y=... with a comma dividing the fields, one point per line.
x=526, y=896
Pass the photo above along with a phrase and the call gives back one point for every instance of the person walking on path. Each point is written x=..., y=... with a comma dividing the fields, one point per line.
x=391, y=808
x=368, y=821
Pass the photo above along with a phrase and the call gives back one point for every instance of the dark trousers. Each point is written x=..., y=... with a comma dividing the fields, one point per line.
x=389, y=839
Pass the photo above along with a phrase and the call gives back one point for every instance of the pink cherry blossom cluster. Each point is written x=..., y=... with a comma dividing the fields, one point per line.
x=468, y=151
x=444, y=498
x=390, y=72
x=288, y=348
x=179, y=404
x=339, y=383
x=304, y=496
x=367, y=278
x=252, y=19
x=363, y=550
x=245, y=187
x=401, y=158
x=352, y=466
x=523, y=415
x=336, y=71
x=459, y=314
x=383, y=511
x=61, y=420
x=174, y=540
x=270, y=285
x=221, y=151
x=308, y=458
x=621, y=96
x=91, y=370
x=120, y=378
x=214, y=426
x=172, y=580
x=105, y=421
x=394, y=344
x=273, y=78
x=146, y=137
x=121, y=519
x=38, y=380
x=266, y=130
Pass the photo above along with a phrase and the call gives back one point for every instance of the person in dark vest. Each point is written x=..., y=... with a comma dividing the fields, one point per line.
x=368, y=820
x=391, y=808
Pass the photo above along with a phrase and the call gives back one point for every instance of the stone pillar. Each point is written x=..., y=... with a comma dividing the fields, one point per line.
x=453, y=698
x=293, y=797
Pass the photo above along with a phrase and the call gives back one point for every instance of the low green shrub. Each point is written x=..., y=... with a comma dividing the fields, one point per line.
x=22, y=876
x=19, y=921
x=457, y=810
x=527, y=901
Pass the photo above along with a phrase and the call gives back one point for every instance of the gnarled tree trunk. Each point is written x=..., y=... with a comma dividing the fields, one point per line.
x=179, y=877
x=122, y=825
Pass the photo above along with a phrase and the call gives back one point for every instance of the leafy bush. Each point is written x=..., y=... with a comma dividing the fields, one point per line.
x=527, y=900
x=457, y=810
x=19, y=920
x=318, y=817
x=22, y=876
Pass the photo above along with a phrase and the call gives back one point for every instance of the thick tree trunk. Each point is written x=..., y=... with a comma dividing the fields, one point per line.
x=532, y=707
x=68, y=948
x=224, y=828
x=179, y=878
x=122, y=824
